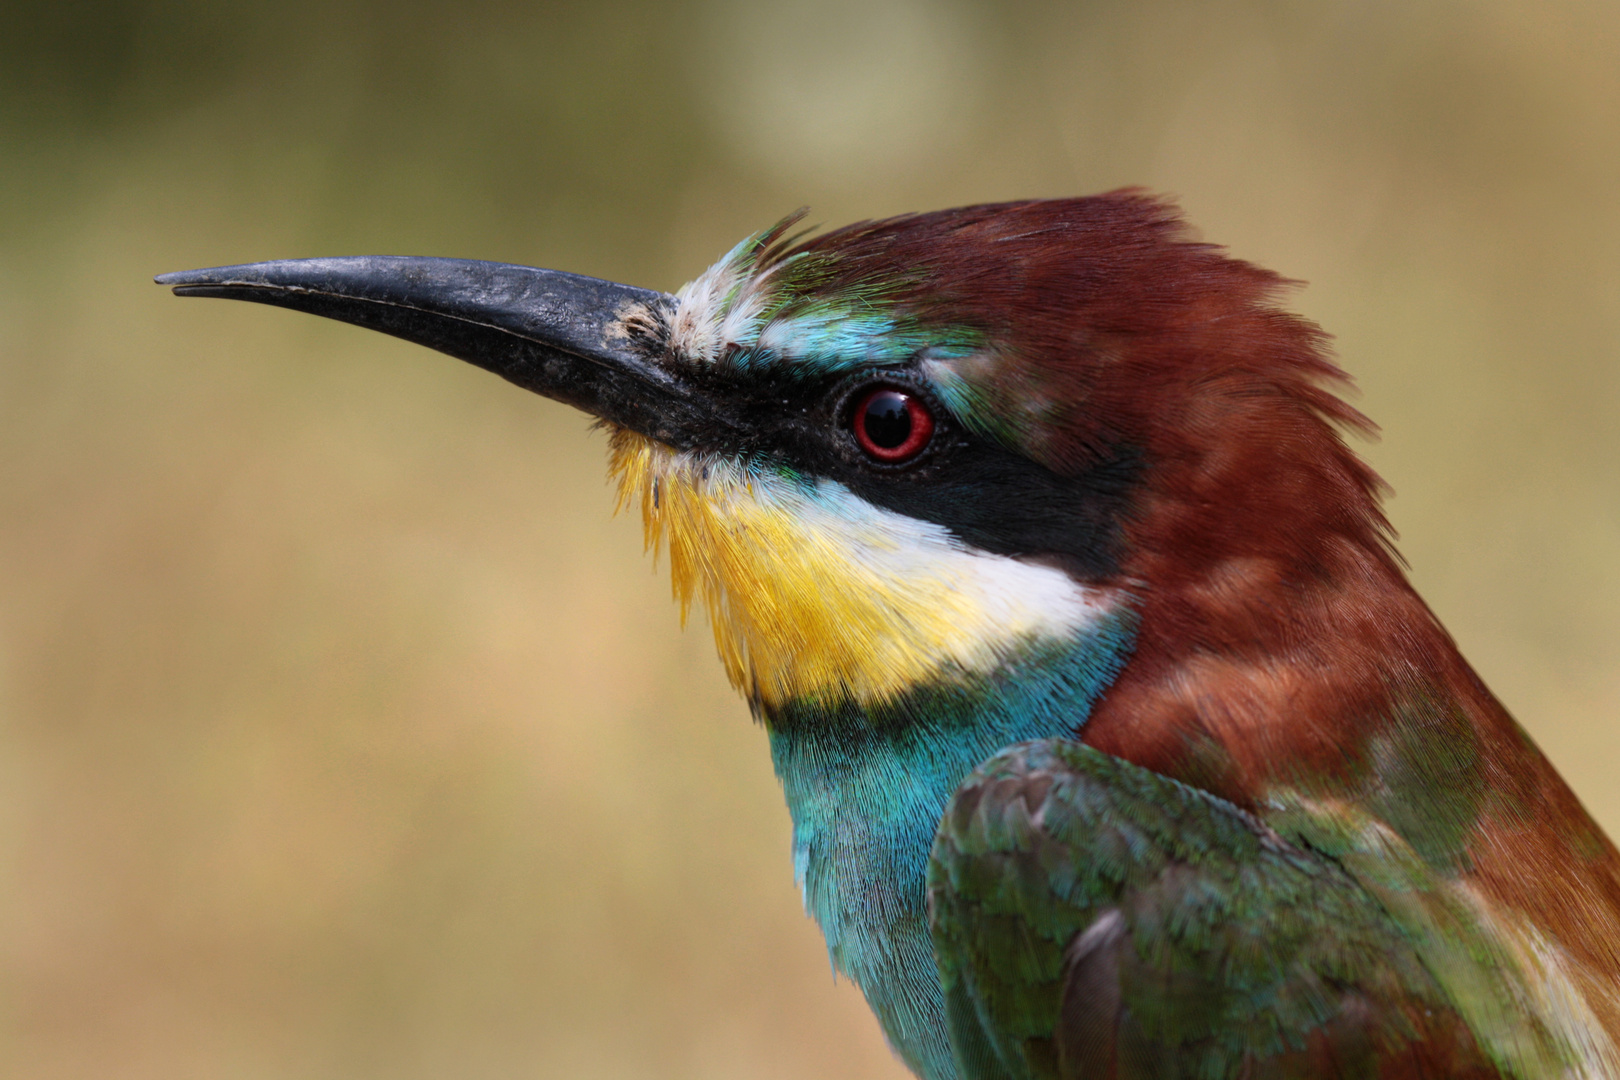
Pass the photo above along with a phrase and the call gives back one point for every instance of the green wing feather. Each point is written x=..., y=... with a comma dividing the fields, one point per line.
x=1095, y=919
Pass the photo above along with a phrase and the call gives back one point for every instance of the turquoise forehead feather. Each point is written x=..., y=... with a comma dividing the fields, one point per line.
x=809, y=308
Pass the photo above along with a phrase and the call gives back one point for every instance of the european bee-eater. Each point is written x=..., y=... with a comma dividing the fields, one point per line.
x=1115, y=741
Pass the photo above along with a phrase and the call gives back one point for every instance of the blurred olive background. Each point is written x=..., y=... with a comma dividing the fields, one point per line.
x=344, y=733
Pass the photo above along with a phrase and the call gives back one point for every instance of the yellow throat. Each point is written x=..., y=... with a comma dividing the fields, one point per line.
x=815, y=593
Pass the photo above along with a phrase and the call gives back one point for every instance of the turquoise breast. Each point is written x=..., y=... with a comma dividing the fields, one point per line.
x=866, y=787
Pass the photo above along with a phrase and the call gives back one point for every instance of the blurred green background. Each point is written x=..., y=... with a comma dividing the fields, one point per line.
x=344, y=733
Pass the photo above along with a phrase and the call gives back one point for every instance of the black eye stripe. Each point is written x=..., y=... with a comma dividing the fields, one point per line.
x=988, y=495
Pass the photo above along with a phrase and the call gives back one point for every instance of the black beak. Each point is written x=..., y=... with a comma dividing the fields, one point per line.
x=593, y=344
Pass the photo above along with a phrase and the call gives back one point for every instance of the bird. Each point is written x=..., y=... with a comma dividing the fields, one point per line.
x=1115, y=741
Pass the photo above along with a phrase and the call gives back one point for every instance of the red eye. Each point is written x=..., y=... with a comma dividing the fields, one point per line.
x=892, y=425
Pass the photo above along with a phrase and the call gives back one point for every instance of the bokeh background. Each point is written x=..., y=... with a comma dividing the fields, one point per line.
x=344, y=733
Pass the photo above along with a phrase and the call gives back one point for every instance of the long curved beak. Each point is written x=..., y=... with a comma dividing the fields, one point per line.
x=593, y=344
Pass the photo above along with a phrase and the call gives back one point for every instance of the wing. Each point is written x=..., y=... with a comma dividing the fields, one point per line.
x=1093, y=919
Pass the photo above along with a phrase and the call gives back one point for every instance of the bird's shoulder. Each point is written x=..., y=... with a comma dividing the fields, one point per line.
x=1094, y=918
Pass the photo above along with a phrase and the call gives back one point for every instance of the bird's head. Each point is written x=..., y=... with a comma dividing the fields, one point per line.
x=905, y=450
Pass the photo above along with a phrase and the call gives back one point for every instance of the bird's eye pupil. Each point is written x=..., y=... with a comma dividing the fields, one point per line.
x=892, y=426
x=887, y=421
